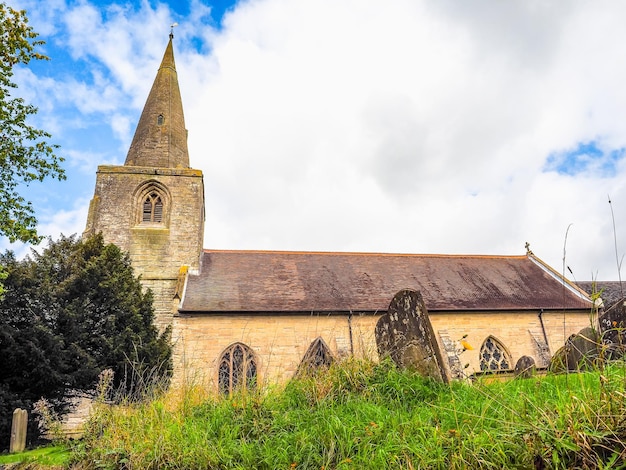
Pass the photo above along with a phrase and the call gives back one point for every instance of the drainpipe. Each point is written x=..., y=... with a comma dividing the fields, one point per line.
x=350, y=331
x=543, y=329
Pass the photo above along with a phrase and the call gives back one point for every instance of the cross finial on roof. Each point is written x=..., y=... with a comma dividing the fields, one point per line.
x=528, y=250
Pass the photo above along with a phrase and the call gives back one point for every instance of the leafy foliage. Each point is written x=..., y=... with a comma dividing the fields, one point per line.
x=25, y=153
x=67, y=314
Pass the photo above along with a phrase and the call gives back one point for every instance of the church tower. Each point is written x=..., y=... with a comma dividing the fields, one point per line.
x=153, y=206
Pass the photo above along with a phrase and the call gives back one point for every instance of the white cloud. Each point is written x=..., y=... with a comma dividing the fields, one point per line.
x=408, y=126
x=87, y=162
x=67, y=222
x=413, y=127
x=52, y=225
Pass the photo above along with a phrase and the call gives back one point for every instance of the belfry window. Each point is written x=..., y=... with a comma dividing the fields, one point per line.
x=152, y=208
x=237, y=369
x=317, y=357
x=493, y=356
x=160, y=120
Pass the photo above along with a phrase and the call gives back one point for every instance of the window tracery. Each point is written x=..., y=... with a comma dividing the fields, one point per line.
x=494, y=356
x=237, y=369
x=317, y=356
x=152, y=208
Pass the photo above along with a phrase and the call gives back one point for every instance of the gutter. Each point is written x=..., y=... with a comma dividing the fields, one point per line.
x=350, y=331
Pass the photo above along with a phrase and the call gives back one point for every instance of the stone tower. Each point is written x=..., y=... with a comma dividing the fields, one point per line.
x=153, y=206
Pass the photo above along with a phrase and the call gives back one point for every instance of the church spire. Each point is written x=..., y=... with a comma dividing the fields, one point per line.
x=160, y=139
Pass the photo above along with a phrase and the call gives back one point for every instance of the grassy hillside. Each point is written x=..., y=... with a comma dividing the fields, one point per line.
x=364, y=415
x=48, y=458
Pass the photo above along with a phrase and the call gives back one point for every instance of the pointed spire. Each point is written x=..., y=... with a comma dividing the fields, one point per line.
x=160, y=139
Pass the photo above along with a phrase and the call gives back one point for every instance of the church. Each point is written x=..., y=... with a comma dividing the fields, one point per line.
x=243, y=318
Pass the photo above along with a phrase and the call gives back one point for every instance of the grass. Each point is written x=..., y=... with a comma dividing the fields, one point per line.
x=365, y=415
x=43, y=457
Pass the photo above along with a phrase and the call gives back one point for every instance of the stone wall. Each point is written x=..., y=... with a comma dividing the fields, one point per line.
x=157, y=250
x=163, y=291
x=280, y=341
x=517, y=331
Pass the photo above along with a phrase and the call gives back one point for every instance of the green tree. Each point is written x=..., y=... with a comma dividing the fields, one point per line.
x=67, y=314
x=25, y=153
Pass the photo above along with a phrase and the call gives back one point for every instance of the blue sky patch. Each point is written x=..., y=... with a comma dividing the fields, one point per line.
x=589, y=157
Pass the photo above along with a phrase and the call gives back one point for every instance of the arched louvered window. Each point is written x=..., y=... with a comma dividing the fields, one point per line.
x=152, y=208
x=317, y=356
x=494, y=356
x=237, y=369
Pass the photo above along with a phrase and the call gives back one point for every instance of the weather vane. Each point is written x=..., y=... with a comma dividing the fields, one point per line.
x=172, y=26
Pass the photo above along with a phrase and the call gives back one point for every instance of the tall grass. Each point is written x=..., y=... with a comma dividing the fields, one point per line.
x=359, y=414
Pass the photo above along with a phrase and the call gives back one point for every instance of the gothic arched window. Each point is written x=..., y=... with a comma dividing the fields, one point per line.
x=317, y=356
x=237, y=369
x=494, y=356
x=152, y=204
x=152, y=208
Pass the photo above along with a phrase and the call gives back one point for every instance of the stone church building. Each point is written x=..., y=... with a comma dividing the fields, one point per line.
x=246, y=317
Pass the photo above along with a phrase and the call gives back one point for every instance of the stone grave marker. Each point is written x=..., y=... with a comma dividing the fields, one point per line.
x=18, y=431
x=584, y=349
x=406, y=335
x=558, y=362
x=613, y=329
x=580, y=352
x=525, y=367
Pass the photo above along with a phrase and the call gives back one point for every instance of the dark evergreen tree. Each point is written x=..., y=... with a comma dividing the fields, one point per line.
x=67, y=314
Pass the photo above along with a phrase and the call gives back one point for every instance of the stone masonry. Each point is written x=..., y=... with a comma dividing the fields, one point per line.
x=157, y=250
x=157, y=163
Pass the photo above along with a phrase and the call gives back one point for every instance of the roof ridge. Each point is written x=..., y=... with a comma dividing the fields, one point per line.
x=364, y=253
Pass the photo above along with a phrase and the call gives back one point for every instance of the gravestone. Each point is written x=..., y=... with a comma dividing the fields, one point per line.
x=406, y=335
x=525, y=367
x=613, y=329
x=580, y=352
x=559, y=363
x=584, y=349
x=18, y=431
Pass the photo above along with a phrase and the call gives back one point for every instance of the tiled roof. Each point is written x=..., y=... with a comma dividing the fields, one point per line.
x=610, y=291
x=272, y=281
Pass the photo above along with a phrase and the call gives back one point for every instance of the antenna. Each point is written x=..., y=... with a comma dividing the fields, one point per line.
x=172, y=26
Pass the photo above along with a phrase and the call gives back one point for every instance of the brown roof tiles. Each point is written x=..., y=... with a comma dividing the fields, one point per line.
x=266, y=281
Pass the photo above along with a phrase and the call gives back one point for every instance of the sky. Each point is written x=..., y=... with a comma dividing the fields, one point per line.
x=404, y=126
